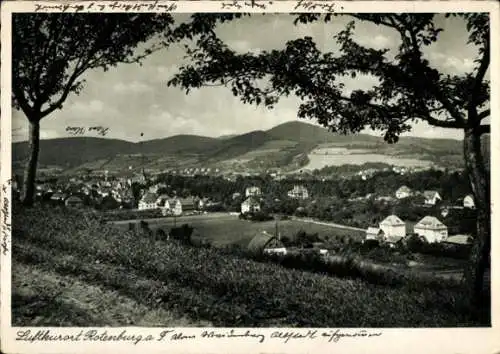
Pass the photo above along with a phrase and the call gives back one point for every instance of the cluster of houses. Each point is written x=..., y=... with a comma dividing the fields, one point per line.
x=253, y=196
x=431, y=197
x=392, y=229
x=75, y=192
x=170, y=205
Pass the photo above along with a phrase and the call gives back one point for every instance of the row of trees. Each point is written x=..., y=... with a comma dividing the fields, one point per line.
x=51, y=52
x=451, y=185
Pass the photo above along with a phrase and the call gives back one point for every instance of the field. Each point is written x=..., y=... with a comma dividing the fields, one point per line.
x=330, y=156
x=58, y=254
x=223, y=229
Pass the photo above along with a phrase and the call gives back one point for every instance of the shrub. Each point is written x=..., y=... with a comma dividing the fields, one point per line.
x=370, y=244
x=161, y=235
x=182, y=234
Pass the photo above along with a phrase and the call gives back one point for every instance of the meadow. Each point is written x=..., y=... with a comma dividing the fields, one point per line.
x=200, y=286
x=223, y=229
x=333, y=156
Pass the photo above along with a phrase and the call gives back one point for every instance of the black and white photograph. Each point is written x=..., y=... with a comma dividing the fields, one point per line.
x=247, y=169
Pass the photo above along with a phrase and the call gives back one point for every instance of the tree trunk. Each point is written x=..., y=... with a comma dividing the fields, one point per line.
x=480, y=184
x=30, y=170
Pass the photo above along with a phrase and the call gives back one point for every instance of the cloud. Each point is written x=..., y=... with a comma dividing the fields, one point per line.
x=85, y=108
x=378, y=42
x=242, y=46
x=169, y=124
x=451, y=63
x=131, y=87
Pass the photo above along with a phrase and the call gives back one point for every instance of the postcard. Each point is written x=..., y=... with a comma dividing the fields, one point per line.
x=249, y=176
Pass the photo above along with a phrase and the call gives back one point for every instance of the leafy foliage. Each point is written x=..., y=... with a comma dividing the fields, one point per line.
x=409, y=87
x=51, y=52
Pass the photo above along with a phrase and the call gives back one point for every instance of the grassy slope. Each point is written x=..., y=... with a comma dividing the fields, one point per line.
x=42, y=297
x=207, y=285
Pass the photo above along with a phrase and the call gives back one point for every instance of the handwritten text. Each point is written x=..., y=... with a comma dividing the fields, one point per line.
x=154, y=6
x=327, y=6
x=82, y=130
x=6, y=225
x=107, y=335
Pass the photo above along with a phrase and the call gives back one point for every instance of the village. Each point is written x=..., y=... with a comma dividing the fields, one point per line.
x=142, y=196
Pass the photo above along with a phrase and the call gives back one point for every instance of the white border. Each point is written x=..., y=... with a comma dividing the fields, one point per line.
x=441, y=340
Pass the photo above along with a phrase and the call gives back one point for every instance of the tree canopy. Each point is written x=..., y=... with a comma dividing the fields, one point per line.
x=409, y=87
x=51, y=52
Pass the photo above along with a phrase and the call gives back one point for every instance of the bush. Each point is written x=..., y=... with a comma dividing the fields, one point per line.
x=302, y=238
x=259, y=216
x=182, y=234
x=161, y=235
x=370, y=244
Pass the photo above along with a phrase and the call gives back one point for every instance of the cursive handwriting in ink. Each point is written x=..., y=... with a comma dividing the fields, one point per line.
x=6, y=225
x=125, y=6
x=286, y=336
x=233, y=334
x=235, y=4
x=82, y=130
x=309, y=5
x=336, y=335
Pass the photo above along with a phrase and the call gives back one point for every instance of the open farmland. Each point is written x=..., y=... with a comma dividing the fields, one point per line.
x=196, y=286
x=223, y=229
x=334, y=156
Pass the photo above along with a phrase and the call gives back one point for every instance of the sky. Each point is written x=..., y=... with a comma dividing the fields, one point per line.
x=131, y=99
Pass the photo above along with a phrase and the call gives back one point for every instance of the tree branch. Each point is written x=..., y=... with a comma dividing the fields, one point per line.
x=21, y=100
x=481, y=72
x=484, y=114
x=76, y=73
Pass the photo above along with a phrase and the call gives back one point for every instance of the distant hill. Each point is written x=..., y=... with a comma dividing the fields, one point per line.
x=284, y=144
x=309, y=133
x=178, y=143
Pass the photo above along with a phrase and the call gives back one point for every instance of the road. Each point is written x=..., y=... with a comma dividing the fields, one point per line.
x=339, y=226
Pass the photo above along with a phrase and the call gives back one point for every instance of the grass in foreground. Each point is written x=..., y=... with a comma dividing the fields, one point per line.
x=208, y=285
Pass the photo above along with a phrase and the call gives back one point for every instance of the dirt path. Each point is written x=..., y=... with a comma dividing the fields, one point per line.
x=338, y=226
x=42, y=298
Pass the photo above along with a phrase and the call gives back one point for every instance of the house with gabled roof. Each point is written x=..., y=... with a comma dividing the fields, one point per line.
x=393, y=227
x=469, y=202
x=250, y=205
x=253, y=191
x=403, y=192
x=298, y=192
x=148, y=201
x=432, y=229
x=374, y=233
x=431, y=197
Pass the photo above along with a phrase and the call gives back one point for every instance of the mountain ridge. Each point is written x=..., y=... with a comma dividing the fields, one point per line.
x=283, y=142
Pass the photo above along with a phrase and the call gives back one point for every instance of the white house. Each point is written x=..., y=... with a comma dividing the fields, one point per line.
x=253, y=192
x=178, y=206
x=148, y=201
x=250, y=205
x=432, y=197
x=403, y=192
x=393, y=227
x=374, y=233
x=432, y=229
x=275, y=251
x=469, y=202
x=298, y=192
